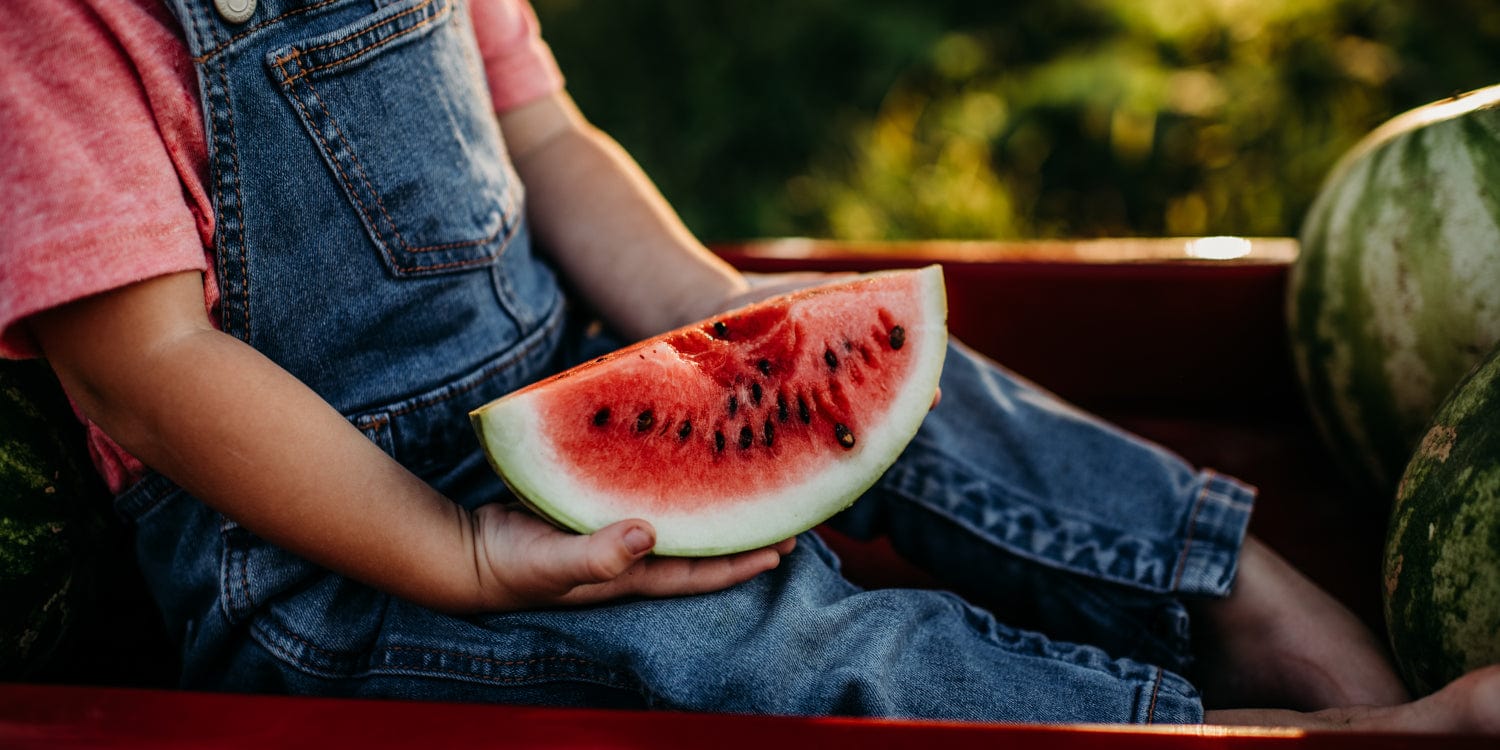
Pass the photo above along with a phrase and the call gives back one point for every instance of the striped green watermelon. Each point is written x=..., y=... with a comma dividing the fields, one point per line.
x=51, y=510
x=1396, y=293
x=1442, y=555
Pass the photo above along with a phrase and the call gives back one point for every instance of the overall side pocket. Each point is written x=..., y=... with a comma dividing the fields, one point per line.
x=398, y=107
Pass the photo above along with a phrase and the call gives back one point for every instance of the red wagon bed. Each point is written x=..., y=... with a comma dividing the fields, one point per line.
x=1182, y=349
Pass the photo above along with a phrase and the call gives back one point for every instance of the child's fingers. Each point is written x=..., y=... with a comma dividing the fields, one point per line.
x=679, y=576
x=538, y=565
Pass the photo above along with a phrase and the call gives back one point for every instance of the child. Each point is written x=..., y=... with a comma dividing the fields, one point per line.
x=275, y=253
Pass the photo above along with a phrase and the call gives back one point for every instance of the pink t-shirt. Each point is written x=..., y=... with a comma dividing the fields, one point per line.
x=104, y=163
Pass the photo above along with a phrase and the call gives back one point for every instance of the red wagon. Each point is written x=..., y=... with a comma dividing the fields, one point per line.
x=1167, y=338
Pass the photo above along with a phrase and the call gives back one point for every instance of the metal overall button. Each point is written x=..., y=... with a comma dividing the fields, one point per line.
x=235, y=11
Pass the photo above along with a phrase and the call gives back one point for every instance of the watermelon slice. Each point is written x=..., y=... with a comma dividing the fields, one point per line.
x=737, y=431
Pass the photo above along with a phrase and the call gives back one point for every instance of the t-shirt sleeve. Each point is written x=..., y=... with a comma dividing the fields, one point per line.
x=517, y=61
x=89, y=197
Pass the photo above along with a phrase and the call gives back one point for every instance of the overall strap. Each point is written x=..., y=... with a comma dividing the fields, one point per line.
x=211, y=32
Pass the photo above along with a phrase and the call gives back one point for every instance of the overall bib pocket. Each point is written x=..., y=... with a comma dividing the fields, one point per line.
x=399, y=109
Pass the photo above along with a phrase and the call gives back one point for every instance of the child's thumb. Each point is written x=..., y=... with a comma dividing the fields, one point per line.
x=610, y=551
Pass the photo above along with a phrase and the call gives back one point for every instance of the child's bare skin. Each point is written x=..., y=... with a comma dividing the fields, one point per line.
x=1468, y=705
x=1279, y=640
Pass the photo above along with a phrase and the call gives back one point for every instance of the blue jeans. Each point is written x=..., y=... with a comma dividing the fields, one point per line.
x=406, y=292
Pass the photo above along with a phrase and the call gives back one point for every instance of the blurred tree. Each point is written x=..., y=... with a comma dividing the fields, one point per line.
x=890, y=119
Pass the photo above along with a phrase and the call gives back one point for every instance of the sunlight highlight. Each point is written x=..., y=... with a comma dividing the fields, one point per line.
x=1218, y=248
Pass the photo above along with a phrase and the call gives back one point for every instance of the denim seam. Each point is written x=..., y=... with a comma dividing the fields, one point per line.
x=364, y=177
x=359, y=202
x=1155, y=690
x=596, y=668
x=206, y=56
x=304, y=72
x=364, y=174
x=1192, y=527
x=134, y=510
x=338, y=168
x=269, y=635
x=917, y=500
x=1216, y=528
x=526, y=347
x=239, y=206
x=364, y=30
x=235, y=604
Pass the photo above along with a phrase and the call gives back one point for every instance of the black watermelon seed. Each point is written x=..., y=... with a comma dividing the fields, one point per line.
x=685, y=430
x=718, y=441
x=845, y=437
x=833, y=362
x=721, y=330
x=746, y=437
x=644, y=421
x=781, y=412
x=601, y=417
x=764, y=366
x=898, y=337
x=734, y=404
x=769, y=432
x=756, y=393
x=802, y=412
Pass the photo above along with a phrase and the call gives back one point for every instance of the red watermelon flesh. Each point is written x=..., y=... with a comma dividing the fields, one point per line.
x=739, y=430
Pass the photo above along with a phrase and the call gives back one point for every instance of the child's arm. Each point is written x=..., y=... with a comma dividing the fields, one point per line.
x=250, y=440
x=609, y=229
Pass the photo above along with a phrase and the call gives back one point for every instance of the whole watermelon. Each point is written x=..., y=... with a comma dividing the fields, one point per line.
x=51, y=516
x=1442, y=555
x=1396, y=293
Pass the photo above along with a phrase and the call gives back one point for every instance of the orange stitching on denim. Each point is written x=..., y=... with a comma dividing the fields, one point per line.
x=455, y=245
x=439, y=15
x=441, y=652
x=240, y=198
x=1155, y=688
x=203, y=58
x=1188, y=542
x=331, y=655
x=363, y=175
x=375, y=423
x=492, y=660
x=337, y=167
x=356, y=35
x=289, y=80
x=380, y=202
x=365, y=50
x=386, y=22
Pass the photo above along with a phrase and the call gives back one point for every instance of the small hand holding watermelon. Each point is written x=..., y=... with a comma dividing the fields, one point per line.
x=735, y=432
x=528, y=563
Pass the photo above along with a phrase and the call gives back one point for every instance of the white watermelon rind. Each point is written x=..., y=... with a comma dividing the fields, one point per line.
x=530, y=469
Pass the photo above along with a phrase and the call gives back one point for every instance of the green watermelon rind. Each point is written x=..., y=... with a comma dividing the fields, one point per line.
x=1391, y=300
x=1442, y=555
x=51, y=515
x=503, y=425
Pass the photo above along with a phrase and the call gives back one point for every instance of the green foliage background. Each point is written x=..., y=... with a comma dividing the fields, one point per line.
x=895, y=119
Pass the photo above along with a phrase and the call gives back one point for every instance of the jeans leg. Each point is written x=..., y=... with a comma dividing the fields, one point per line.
x=799, y=640
x=1073, y=526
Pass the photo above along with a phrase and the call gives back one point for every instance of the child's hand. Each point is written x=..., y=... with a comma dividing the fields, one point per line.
x=525, y=563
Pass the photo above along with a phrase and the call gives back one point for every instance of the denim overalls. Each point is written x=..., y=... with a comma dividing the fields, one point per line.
x=371, y=240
